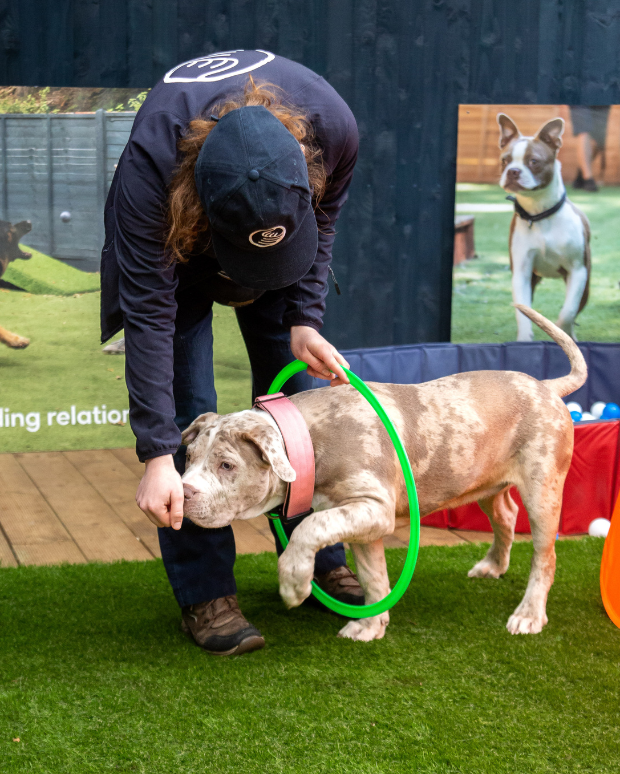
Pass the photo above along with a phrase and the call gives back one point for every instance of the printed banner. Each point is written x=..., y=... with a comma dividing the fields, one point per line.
x=537, y=221
x=60, y=389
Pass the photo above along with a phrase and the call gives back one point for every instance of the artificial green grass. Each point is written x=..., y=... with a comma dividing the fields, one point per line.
x=482, y=297
x=44, y=275
x=64, y=366
x=95, y=676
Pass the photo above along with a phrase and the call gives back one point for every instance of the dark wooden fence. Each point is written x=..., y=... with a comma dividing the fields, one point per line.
x=402, y=65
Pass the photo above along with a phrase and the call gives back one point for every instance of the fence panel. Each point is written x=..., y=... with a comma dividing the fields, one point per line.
x=26, y=172
x=74, y=188
x=478, y=151
x=50, y=164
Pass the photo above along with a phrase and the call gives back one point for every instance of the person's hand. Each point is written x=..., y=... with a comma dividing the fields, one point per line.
x=323, y=359
x=160, y=493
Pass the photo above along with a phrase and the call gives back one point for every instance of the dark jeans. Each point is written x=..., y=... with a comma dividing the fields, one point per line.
x=199, y=561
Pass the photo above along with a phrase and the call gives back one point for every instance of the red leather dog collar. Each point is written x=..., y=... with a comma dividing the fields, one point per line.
x=299, y=449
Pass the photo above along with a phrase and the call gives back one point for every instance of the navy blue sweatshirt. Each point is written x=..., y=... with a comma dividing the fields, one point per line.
x=138, y=288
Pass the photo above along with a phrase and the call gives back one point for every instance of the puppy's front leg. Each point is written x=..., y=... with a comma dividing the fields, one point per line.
x=575, y=285
x=522, y=267
x=361, y=521
x=372, y=573
x=13, y=340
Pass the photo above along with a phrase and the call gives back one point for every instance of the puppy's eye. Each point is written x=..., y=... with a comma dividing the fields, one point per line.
x=533, y=162
x=226, y=466
x=504, y=162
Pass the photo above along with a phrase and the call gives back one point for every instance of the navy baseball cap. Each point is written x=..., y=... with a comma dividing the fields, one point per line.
x=252, y=179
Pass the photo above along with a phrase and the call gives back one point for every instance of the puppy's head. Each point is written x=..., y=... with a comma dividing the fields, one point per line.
x=528, y=162
x=235, y=467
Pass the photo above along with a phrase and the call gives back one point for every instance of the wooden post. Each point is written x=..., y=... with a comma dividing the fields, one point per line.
x=464, y=247
x=482, y=150
x=5, y=172
x=50, y=184
x=101, y=153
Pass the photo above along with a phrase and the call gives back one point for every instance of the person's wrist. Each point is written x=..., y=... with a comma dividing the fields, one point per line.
x=303, y=331
x=164, y=461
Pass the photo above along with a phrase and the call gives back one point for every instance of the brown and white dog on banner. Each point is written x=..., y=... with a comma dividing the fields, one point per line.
x=549, y=235
x=470, y=437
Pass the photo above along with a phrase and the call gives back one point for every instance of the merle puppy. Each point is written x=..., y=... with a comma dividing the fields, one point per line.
x=470, y=437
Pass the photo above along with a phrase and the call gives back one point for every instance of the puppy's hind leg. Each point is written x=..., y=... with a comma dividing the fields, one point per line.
x=373, y=577
x=543, y=503
x=502, y=512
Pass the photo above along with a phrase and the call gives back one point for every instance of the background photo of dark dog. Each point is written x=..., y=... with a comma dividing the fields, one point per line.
x=536, y=221
x=11, y=251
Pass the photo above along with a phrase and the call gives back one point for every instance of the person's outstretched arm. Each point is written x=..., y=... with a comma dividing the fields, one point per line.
x=147, y=298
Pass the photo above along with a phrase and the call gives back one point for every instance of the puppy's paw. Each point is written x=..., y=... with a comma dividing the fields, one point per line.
x=486, y=568
x=366, y=629
x=522, y=624
x=295, y=571
x=17, y=342
x=293, y=595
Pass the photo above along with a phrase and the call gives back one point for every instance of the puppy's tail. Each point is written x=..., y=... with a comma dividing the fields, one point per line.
x=578, y=368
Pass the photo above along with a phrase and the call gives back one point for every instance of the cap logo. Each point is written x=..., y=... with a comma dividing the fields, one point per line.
x=267, y=237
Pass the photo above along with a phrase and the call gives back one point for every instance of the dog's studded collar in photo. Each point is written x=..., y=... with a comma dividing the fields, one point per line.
x=525, y=215
x=299, y=450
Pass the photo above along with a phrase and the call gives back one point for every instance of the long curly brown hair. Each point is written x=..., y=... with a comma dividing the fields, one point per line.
x=186, y=218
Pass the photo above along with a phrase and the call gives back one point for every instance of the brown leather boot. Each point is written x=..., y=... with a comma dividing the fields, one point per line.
x=342, y=584
x=219, y=627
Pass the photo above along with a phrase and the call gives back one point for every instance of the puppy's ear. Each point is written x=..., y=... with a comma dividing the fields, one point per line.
x=191, y=433
x=551, y=133
x=507, y=130
x=271, y=448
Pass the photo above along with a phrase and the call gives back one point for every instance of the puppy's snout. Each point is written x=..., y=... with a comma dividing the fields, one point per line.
x=513, y=173
x=189, y=491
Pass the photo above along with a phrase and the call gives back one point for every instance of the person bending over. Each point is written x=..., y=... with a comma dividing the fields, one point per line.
x=228, y=189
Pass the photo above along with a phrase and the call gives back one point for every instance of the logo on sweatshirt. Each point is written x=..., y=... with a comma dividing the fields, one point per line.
x=267, y=237
x=216, y=67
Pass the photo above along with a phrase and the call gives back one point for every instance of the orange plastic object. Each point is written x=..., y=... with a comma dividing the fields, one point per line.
x=610, y=568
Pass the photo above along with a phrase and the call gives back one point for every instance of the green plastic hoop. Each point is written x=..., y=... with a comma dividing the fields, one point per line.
x=365, y=611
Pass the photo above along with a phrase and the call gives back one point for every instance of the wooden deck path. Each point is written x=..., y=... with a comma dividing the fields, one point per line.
x=79, y=507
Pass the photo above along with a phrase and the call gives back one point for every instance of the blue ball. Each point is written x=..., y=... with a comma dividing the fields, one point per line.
x=611, y=411
x=576, y=416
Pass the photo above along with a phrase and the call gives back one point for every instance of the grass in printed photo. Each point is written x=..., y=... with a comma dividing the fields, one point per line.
x=64, y=366
x=96, y=676
x=43, y=275
x=482, y=298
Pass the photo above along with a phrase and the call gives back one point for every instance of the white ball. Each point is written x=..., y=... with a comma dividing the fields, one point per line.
x=65, y=216
x=587, y=415
x=572, y=406
x=596, y=409
x=599, y=528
